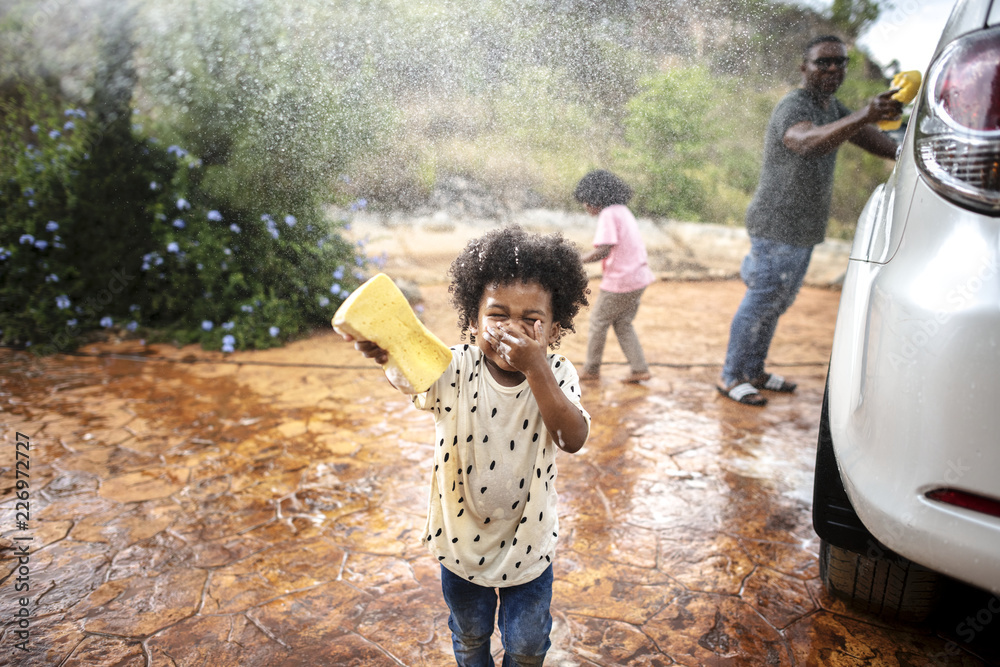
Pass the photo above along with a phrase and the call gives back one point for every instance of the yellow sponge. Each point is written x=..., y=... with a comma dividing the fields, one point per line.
x=908, y=84
x=378, y=312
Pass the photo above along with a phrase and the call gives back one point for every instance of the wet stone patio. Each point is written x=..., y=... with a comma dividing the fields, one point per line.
x=265, y=508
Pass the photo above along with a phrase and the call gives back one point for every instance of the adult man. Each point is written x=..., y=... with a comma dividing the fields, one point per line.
x=789, y=211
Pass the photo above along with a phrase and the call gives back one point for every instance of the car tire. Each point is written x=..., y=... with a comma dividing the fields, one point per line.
x=886, y=585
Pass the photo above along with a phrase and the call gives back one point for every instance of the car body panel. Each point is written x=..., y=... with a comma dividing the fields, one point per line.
x=914, y=383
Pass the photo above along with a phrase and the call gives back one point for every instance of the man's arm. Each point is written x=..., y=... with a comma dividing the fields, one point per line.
x=875, y=141
x=809, y=140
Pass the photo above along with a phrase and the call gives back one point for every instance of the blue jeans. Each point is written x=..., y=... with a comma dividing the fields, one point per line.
x=524, y=620
x=773, y=274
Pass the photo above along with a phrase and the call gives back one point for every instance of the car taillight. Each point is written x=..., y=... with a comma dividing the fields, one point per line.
x=957, y=141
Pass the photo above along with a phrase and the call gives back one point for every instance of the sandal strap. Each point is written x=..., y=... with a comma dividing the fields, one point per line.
x=740, y=391
x=774, y=382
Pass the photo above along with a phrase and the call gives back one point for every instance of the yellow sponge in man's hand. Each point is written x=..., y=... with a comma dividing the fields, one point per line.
x=378, y=312
x=908, y=84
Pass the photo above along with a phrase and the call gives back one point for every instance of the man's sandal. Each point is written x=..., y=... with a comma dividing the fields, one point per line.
x=774, y=382
x=744, y=393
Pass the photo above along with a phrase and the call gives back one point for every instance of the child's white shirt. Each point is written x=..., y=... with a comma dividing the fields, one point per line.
x=492, y=516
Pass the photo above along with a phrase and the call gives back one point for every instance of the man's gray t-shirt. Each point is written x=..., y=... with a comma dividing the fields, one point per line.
x=792, y=202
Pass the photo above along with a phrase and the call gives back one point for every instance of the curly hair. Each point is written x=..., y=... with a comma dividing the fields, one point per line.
x=601, y=188
x=511, y=255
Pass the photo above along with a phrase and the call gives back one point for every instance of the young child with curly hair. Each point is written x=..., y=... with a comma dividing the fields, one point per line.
x=501, y=409
x=626, y=273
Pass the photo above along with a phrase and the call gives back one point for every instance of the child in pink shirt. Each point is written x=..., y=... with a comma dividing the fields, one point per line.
x=618, y=245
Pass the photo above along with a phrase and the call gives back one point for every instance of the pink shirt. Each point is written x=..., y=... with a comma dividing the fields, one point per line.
x=626, y=269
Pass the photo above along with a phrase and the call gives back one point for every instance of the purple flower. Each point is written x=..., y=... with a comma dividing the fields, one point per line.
x=69, y=125
x=214, y=216
x=41, y=244
x=228, y=339
x=27, y=239
x=335, y=289
x=246, y=309
x=178, y=223
x=323, y=302
x=183, y=204
x=52, y=278
x=290, y=220
x=55, y=134
x=71, y=322
x=234, y=228
x=207, y=325
x=173, y=247
x=274, y=331
x=339, y=273
x=62, y=302
x=153, y=185
x=132, y=326
x=106, y=322
x=51, y=225
x=228, y=326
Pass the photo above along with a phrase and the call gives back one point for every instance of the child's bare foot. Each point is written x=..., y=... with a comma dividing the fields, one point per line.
x=590, y=377
x=637, y=377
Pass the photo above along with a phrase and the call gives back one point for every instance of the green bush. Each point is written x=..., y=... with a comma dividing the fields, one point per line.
x=102, y=228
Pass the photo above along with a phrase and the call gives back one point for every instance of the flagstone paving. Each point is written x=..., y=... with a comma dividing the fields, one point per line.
x=265, y=508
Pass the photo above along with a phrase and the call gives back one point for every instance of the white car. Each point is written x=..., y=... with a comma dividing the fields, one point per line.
x=907, y=483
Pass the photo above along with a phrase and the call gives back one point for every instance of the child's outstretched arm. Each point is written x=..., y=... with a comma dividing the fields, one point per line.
x=527, y=353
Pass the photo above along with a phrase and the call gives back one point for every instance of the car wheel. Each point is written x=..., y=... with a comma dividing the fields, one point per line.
x=887, y=585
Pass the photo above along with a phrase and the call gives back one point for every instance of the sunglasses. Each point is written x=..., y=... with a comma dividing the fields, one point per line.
x=838, y=61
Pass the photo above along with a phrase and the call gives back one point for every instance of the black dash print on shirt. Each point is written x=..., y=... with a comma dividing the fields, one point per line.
x=481, y=561
x=540, y=515
x=471, y=375
x=562, y=382
x=494, y=413
x=514, y=543
x=441, y=444
x=517, y=396
x=471, y=577
x=453, y=540
x=438, y=534
x=473, y=408
x=504, y=576
x=453, y=486
x=511, y=445
x=528, y=550
x=447, y=408
x=477, y=539
x=523, y=519
x=487, y=520
x=549, y=469
x=502, y=543
x=548, y=559
x=534, y=438
x=558, y=363
x=440, y=557
x=539, y=471
x=493, y=465
x=430, y=537
x=468, y=471
x=525, y=424
x=517, y=564
x=436, y=466
x=486, y=439
x=455, y=441
x=522, y=484
x=514, y=506
x=482, y=490
x=461, y=500
x=461, y=512
x=446, y=455
x=469, y=439
x=475, y=396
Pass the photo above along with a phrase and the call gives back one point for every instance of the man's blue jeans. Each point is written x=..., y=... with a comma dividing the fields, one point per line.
x=773, y=274
x=525, y=621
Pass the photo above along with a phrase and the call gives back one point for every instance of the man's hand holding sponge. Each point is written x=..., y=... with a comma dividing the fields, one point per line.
x=908, y=84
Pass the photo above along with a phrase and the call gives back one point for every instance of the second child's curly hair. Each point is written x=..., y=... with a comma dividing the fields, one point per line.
x=511, y=255
x=601, y=188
